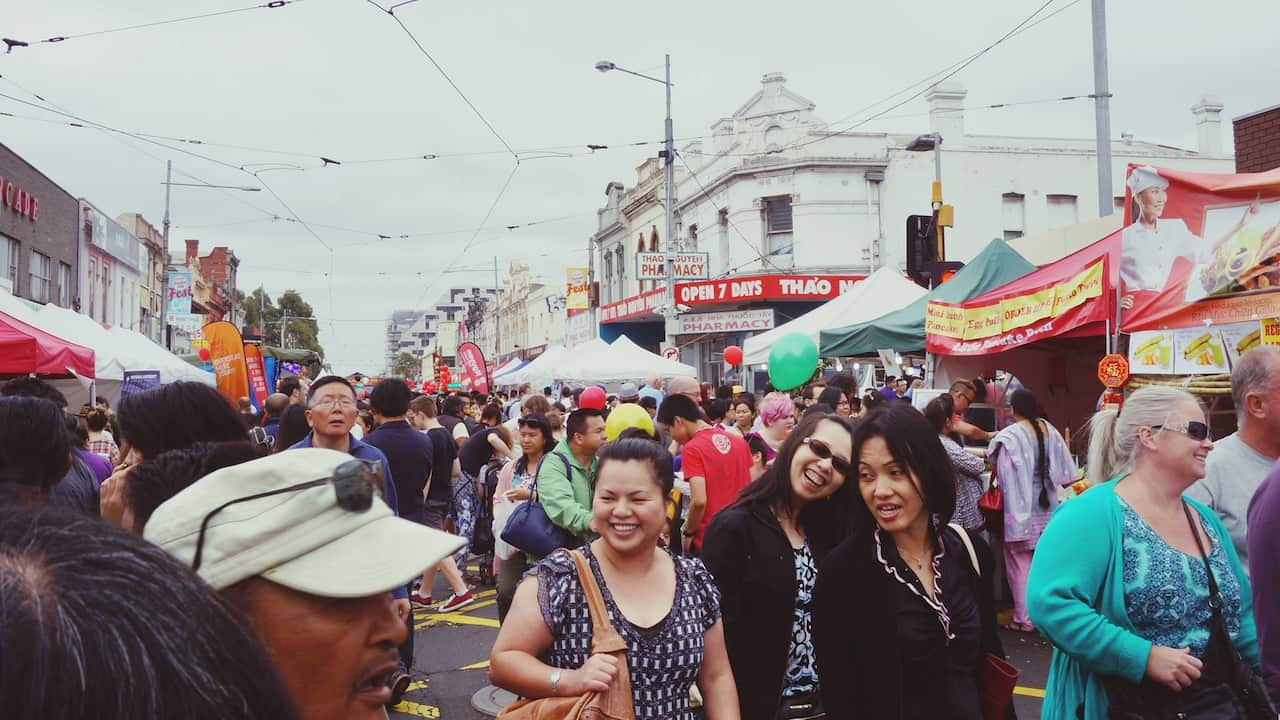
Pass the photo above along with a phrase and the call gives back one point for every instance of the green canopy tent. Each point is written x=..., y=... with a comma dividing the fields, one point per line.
x=903, y=330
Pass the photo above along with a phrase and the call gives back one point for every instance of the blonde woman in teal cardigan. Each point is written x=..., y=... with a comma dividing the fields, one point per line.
x=1117, y=583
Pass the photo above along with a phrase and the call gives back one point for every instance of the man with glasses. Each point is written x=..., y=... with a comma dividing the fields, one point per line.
x=716, y=464
x=297, y=542
x=963, y=392
x=331, y=413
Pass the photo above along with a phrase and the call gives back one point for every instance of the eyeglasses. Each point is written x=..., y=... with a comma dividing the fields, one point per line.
x=344, y=403
x=823, y=451
x=1193, y=429
x=355, y=482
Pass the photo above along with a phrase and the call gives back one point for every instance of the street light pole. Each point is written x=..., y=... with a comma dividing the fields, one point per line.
x=1102, y=108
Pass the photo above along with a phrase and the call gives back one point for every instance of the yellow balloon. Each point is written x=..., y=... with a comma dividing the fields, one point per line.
x=624, y=416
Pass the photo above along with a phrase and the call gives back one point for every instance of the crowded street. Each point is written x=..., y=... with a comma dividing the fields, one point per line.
x=389, y=359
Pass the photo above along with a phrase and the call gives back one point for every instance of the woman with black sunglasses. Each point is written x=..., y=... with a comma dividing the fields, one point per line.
x=764, y=552
x=1119, y=581
x=903, y=621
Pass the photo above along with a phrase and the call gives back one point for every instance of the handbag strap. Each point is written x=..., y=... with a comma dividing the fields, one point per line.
x=604, y=636
x=968, y=545
x=1215, y=597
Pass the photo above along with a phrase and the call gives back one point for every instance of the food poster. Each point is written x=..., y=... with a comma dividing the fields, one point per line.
x=1239, y=338
x=1199, y=249
x=1151, y=352
x=1199, y=351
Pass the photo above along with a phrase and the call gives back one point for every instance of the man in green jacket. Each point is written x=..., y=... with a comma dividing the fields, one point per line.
x=567, y=497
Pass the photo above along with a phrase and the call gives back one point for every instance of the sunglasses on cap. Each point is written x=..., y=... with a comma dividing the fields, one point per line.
x=355, y=483
x=1193, y=429
x=823, y=451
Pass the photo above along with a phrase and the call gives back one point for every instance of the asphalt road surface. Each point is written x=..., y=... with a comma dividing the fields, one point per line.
x=452, y=654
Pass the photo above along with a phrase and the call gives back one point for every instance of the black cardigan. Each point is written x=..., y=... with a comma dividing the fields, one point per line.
x=855, y=628
x=752, y=562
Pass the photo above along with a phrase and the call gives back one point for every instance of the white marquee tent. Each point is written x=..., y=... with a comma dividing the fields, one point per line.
x=620, y=361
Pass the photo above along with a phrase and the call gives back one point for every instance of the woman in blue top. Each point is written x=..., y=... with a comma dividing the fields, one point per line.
x=1118, y=583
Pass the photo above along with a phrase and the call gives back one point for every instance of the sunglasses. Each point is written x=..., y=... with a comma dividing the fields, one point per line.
x=1194, y=429
x=355, y=483
x=823, y=451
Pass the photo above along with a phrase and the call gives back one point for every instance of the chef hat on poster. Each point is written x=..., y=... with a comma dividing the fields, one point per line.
x=1145, y=177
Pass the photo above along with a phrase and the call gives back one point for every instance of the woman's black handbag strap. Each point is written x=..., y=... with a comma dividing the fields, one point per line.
x=1215, y=597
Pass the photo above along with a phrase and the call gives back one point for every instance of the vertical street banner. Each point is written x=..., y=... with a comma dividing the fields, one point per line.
x=1199, y=249
x=226, y=354
x=136, y=381
x=577, y=291
x=471, y=358
x=178, y=294
x=257, y=371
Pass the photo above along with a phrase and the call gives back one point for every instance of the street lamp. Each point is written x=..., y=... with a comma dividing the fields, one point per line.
x=668, y=310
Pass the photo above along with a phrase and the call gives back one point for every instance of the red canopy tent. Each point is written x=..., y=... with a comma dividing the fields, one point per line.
x=26, y=349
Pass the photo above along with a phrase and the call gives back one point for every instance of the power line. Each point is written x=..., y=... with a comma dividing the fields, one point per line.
x=707, y=194
x=62, y=38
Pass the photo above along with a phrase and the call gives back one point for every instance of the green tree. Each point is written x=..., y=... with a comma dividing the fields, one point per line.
x=288, y=322
x=406, y=366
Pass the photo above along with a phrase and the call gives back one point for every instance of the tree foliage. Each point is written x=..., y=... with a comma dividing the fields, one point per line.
x=406, y=366
x=286, y=322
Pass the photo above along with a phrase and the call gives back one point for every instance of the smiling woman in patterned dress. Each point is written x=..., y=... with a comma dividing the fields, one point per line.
x=666, y=608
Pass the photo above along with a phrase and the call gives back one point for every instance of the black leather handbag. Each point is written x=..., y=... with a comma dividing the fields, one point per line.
x=1228, y=689
x=804, y=706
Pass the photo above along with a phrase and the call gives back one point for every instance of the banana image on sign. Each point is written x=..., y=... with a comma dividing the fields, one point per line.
x=1156, y=351
x=1199, y=352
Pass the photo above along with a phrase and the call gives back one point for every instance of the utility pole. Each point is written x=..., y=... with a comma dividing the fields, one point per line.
x=669, y=317
x=1102, y=107
x=284, y=329
x=164, y=284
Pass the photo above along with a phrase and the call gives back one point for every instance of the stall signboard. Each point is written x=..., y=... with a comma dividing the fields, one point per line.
x=1064, y=298
x=1198, y=249
x=577, y=289
x=735, y=321
x=688, y=266
x=1151, y=352
x=633, y=307
x=1113, y=370
x=765, y=287
x=136, y=381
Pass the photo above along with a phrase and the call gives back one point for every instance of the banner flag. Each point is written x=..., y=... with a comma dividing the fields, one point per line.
x=226, y=354
x=257, y=375
x=472, y=361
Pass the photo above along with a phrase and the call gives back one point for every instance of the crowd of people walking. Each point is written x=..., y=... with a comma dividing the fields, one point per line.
x=669, y=550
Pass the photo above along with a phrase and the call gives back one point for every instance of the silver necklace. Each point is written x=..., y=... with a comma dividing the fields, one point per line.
x=911, y=557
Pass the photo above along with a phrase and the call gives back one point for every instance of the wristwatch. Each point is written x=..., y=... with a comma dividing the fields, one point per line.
x=555, y=682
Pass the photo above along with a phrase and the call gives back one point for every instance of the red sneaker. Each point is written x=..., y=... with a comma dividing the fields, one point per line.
x=421, y=599
x=456, y=602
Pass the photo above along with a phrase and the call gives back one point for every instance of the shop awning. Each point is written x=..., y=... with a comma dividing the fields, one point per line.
x=1070, y=297
x=883, y=291
x=27, y=349
x=903, y=330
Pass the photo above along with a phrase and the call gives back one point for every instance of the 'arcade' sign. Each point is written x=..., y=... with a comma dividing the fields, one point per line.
x=19, y=201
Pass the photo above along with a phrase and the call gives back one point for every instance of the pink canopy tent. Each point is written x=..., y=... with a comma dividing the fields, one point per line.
x=26, y=349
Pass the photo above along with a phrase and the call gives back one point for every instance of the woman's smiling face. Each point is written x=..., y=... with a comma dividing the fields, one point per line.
x=1151, y=201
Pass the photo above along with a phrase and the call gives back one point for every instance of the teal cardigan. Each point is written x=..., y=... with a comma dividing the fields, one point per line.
x=1075, y=596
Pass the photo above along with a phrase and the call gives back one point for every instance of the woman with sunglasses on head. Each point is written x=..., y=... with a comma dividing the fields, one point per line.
x=1119, y=583
x=1031, y=462
x=665, y=608
x=764, y=552
x=515, y=485
x=902, y=619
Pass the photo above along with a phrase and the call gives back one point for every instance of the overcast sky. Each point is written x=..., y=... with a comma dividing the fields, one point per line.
x=340, y=79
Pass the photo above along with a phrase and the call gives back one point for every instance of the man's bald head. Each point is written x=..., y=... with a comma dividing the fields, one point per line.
x=686, y=386
x=276, y=404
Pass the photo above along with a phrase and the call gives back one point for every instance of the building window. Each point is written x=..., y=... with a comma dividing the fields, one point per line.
x=1061, y=211
x=40, y=273
x=9, y=261
x=608, y=277
x=779, y=239
x=1118, y=203
x=64, y=285
x=693, y=238
x=1015, y=215
x=621, y=275
x=722, y=226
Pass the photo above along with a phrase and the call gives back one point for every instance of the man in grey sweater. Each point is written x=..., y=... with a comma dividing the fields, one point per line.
x=1240, y=462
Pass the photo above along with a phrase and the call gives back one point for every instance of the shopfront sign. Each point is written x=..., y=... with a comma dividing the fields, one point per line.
x=577, y=289
x=688, y=266
x=765, y=287
x=189, y=325
x=735, y=321
x=633, y=307
x=18, y=201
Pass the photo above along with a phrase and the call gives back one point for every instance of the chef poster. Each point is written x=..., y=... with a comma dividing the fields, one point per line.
x=1199, y=351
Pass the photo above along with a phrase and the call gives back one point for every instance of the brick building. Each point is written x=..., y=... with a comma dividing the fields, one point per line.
x=1258, y=140
x=39, y=234
x=219, y=269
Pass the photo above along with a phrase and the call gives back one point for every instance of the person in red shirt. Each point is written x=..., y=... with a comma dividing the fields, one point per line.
x=716, y=464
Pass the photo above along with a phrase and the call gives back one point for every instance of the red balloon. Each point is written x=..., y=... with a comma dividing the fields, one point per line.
x=733, y=355
x=592, y=397
x=204, y=354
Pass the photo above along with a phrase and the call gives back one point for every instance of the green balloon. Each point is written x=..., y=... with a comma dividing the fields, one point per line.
x=792, y=361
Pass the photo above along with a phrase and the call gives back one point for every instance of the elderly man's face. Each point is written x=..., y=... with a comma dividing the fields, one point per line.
x=333, y=653
x=332, y=410
x=685, y=386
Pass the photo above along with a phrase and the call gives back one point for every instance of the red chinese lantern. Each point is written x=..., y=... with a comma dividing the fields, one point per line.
x=733, y=355
x=204, y=354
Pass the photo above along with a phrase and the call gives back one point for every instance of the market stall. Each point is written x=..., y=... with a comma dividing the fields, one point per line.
x=883, y=291
x=620, y=361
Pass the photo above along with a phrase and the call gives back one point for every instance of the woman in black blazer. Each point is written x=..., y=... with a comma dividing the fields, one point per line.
x=900, y=615
x=764, y=552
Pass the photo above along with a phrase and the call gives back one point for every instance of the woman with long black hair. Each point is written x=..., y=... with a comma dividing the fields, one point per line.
x=764, y=552
x=1031, y=461
x=515, y=484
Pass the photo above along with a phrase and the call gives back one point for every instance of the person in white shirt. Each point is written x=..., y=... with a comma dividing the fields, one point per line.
x=1151, y=244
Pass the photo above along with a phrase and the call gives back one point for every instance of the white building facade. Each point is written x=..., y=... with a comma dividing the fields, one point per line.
x=111, y=263
x=790, y=211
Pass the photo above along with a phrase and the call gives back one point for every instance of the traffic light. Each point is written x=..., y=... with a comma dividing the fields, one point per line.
x=944, y=270
x=921, y=248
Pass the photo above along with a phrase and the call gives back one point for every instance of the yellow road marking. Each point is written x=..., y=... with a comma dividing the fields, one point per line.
x=416, y=685
x=475, y=666
x=409, y=707
x=458, y=617
x=1028, y=692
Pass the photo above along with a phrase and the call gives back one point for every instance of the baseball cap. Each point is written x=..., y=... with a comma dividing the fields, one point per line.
x=300, y=539
x=628, y=392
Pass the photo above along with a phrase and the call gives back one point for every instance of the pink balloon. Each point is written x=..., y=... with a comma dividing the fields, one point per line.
x=592, y=397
